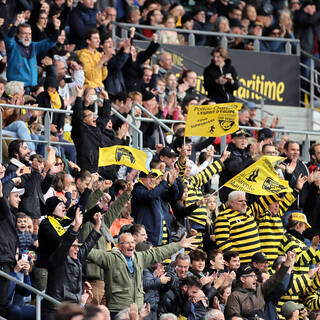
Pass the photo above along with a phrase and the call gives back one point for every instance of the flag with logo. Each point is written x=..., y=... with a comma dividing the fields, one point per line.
x=260, y=178
x=214, y=120
x=124, y=156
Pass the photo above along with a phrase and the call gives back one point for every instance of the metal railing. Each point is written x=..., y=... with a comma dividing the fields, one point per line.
x=310, y=80
x=289, y=43
x=38, y=293
x=137, y=139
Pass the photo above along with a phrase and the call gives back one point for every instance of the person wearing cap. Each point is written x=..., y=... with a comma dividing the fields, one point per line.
x=247, y=300
x=150, y=203
x=240, y=158
x=269, y=220
x=9, y=242
x=220, y=77
x=293, y=240
x=199, y=23
x=65, y=266
x=168, y=156
x=259, y=261
x=273, y=31
x=291, y=311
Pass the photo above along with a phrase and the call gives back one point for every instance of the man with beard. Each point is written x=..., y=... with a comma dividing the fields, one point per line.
x=19, y=155
x=22, y=52
x=186, y=301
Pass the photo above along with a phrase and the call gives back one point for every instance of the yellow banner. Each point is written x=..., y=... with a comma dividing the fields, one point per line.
x=260, y=178
x=123, y=156
x=214, y=120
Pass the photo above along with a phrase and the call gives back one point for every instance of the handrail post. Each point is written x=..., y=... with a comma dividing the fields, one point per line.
x=46, y=132
x=305, y=149
x=113, y=32
x=38, y=307
x=224, y=42
x=311, y=115
x=256, y=45
x=223, y=143
x=262, y=108
x=288, y=48
x=191, y=40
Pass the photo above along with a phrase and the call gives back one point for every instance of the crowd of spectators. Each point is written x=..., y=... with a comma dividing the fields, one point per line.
x=115, y=243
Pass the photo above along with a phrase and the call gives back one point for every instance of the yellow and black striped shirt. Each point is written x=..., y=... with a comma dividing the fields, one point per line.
x=199, y=216
x=235, y=231
x=270, y=227
x=305, y=256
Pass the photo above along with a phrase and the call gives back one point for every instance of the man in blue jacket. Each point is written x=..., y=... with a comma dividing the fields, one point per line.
x=22, y=52
x=150, y=204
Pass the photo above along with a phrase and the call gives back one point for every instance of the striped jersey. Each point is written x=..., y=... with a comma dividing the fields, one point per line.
x=235, y=231
x=194, y=183
x=270, y=227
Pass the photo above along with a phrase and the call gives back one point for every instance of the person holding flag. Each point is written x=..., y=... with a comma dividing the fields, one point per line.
x=194, y=184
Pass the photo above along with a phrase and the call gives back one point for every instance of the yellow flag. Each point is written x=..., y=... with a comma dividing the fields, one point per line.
x=260, y=178
x=214, y=120
x=123, y=156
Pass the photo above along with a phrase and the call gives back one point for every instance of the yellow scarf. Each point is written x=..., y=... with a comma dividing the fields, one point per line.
x=55, y=100
x=55, y=222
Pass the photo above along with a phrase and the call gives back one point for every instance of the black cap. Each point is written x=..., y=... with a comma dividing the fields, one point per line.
x=51, y=204
x=51, y=81
x=307, y=3
x=197, y=9
x=259, y=257
x=240, y=133
x=167, y=152
x=147, y=95
x=265, y=133
x=142, y=174
x=186, y=17
x=245, y=269
x=235, y=23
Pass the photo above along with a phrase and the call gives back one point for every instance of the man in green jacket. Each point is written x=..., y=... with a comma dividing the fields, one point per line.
x=95, y=274
x=123, y=269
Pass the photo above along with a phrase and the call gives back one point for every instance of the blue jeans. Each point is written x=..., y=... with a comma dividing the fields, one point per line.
x=18, y=129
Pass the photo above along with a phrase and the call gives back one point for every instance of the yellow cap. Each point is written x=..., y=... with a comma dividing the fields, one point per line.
x=299, y=216
x=159, y=173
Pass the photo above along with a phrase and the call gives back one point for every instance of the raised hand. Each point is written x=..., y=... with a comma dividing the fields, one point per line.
x=77, y=222
x=188, y=242
x=225, y=155
x=97, y=221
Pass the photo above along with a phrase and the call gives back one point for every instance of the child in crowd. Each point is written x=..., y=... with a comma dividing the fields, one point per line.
x=26, y=242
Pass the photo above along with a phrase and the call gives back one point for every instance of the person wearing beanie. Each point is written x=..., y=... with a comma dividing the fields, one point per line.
x=52, y=229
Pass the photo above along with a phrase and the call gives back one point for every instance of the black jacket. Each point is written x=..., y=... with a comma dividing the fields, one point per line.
x=133, y=70
x=48, y=237
x=218, y=92
x=9, y=240
x=173, y=302
x=35, y=187
x=306, y=27
x=65, y=273
x=239, y=160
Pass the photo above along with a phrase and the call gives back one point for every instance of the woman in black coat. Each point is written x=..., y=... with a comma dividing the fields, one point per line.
x=220, y=77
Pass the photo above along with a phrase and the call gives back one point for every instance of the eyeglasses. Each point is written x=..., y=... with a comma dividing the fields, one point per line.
x=275, y=33
x=58, y=164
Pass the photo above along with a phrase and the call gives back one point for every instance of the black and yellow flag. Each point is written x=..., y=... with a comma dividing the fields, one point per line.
x=214, y=120
x=260, y=178
x=123, y=156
